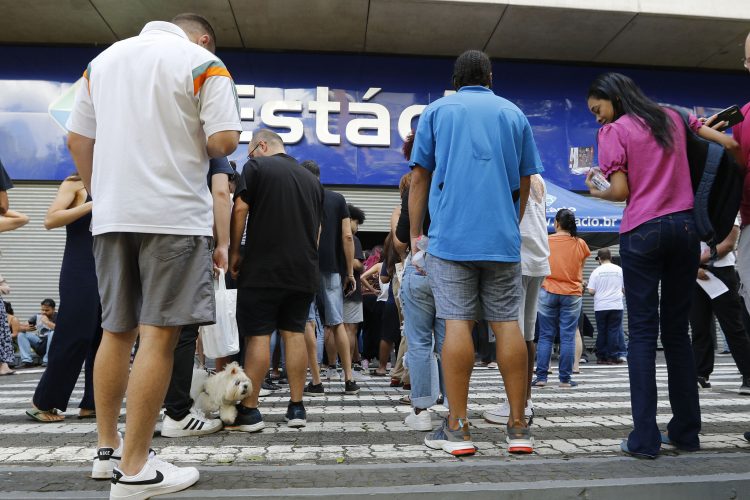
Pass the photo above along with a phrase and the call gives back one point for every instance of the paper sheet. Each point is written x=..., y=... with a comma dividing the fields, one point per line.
x=713, y=286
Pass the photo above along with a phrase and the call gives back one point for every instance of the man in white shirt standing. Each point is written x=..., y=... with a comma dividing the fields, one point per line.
x=605, y=284
x=151, y=111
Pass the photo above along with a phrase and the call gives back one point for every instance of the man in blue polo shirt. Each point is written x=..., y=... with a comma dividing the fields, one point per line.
x=474, y=153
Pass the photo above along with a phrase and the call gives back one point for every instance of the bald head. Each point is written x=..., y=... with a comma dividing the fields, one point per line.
x=198, y=30
x=265, y=143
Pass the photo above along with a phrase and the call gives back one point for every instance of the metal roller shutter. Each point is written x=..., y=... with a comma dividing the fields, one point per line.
x=377, y=203
x=31, y=256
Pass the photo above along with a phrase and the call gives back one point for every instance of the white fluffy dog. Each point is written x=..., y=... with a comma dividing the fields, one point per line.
x=220, y=391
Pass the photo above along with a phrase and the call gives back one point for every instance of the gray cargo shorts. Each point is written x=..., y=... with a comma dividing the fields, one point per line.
x=475, y=290
x=154, y=279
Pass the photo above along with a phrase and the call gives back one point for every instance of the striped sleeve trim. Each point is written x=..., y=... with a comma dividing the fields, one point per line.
x=206, y=71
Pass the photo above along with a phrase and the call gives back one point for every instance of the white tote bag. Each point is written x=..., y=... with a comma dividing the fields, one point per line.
x=222, y=338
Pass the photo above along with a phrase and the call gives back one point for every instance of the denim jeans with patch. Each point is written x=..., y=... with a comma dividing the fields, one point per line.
x=425, y=334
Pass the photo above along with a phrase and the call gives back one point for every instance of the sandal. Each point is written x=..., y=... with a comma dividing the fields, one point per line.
x=45, y=416
x=405, y=400
x=538, y=383
x=87, y=416
x=375, y=373
x=12, y=372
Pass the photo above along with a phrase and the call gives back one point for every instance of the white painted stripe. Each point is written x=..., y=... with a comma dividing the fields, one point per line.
x=609, y=421
x=291, y=453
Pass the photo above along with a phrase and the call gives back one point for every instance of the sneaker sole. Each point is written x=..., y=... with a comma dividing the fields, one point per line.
x=101, y=472
x=296, y=422
x=151, y=492
x=314, y=394
x=520, y=446
x=744, y=391
x=246, y=428
x=186, y=433
x=351, y=393
x=502, y=419
x=459, y=449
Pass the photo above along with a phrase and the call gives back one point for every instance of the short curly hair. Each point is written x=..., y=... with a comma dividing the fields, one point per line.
x=473, y=67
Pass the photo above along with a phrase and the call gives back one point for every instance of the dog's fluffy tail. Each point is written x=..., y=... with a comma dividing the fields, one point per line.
x=200, y=376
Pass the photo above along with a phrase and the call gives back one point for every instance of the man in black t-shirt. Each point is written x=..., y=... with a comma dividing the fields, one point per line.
x=353, y=312
x=336, y=279
x=278, y=274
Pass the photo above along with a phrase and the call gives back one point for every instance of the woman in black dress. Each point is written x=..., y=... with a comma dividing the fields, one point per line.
x=78, y=329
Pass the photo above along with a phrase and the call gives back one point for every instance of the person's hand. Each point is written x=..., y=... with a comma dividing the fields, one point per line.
x=711, y=122
x=235, y=259
x=590, y=183
x=705, y=256
x=350, y=285
x=221, y=259
x=702, y=274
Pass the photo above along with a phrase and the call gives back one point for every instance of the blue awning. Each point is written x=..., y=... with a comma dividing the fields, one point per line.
x=592, y=215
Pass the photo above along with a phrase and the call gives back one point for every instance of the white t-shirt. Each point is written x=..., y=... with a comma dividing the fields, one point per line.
x=534, y=242
x=151, y=101
x=606, y=282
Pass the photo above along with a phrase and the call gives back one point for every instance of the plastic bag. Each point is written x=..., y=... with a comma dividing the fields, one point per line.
x=222, y=338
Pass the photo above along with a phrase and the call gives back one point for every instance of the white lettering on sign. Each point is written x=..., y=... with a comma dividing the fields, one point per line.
x=370, y=124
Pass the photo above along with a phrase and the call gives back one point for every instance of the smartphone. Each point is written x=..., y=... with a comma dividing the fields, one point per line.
x=732, y=115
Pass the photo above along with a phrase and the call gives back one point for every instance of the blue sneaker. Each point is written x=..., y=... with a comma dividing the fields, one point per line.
x=457, y=443
x=247, y=420
x=570, y=384
x=626, y=450
x=296, y=415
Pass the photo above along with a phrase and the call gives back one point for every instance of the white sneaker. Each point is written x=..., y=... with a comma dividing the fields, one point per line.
x=156, y=478
x=500, y=414
x=195, y=423
x=106, y=460
x=419, y=422
x=333, y=374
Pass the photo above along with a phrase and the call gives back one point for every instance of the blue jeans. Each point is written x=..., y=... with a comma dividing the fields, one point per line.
x=663, y=250
x=27, y=341
x=610, y=338
x=557, y=313
x=419, y=325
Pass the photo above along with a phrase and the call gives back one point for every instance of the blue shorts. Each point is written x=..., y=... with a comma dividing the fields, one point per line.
x=475, y=290
x=332, y=293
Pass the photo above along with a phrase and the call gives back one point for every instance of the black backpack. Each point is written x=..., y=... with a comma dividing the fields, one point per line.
x=717, y=183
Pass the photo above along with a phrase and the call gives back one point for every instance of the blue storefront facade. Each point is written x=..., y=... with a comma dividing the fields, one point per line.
x=348, y=112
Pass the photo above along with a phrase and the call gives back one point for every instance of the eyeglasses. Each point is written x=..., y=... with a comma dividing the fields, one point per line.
x=746, y=62
x=250, y=154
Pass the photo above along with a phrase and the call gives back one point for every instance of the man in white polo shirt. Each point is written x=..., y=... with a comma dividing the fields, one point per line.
x=606, y=285
x=151, y=111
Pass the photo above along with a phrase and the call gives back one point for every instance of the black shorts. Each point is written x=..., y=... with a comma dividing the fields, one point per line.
x=260, y=311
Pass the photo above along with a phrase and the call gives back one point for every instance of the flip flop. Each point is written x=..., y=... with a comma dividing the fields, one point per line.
x=376, y=374
x=624, y=448
x=39, y=415
x=83, y=417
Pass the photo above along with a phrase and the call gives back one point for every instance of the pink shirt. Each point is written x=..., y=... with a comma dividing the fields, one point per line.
x=741, y=134
x=658, y=179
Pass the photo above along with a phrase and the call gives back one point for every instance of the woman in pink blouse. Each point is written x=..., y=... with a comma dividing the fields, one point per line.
x=642, y=152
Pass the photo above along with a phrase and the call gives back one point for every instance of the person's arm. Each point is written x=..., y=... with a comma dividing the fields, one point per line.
x=222, y=143
x=239, y=216
x=222, y=215
x=730, y=144
x=47, y=322
x=12, y=220
x=723, y=248
x=418, y=192
x=82, y=150
x=347, y=240
x=60, y=213
x=618, y=187
x=364, y=279
x=358, y=266
x=525, y=188
x=4, y=205
x=15, y=327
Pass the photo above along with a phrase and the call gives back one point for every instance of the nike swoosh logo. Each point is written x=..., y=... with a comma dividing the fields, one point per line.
x=158, y=479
